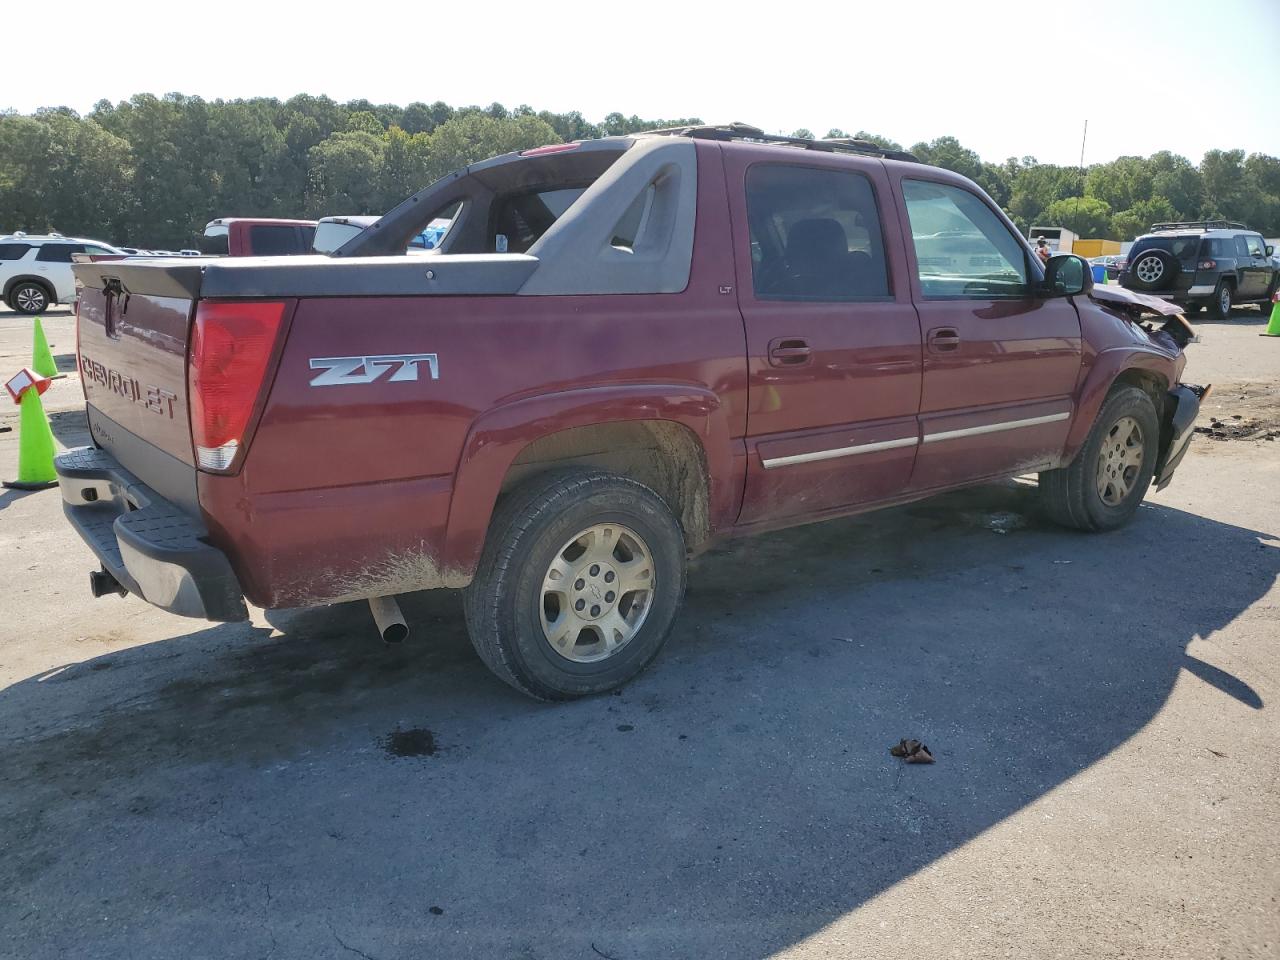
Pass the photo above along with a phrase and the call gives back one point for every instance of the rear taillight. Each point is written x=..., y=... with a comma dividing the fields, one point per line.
x=231, y=345
x=1208, y=264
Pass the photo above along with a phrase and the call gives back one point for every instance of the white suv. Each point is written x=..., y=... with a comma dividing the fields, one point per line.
x=35, y=272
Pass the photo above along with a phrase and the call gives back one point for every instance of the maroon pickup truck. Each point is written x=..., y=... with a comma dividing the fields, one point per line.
x=623, y=351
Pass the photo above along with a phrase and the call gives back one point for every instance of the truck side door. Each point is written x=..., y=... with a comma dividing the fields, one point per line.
x=1000, y=363
x=833, y=342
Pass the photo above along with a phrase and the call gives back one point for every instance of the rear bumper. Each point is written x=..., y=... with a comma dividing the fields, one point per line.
x=1182, y=405
x=154, y=549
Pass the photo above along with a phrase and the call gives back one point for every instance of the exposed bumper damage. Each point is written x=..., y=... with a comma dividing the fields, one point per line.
x=1181, y=406
x=149, y=546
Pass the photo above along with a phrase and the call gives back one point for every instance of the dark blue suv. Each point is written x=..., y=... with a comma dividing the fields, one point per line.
x=1214, y=263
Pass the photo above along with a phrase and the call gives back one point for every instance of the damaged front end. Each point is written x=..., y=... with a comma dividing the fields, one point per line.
x=1163, y=324
x=1162, y=321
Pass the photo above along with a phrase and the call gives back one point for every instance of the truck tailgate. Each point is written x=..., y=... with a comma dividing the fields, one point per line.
x=134, y=320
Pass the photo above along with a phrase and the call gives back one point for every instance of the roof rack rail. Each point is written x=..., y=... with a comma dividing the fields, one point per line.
x=744, y=131
x=1198, y=225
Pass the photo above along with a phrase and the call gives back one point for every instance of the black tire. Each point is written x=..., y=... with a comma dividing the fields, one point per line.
x=30, y=297
x=1223, y=298
x=1070, y=495
x=1153, y=269
x=504, y=603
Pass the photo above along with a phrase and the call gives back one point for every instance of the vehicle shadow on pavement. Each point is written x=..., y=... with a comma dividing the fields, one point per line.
x=305, y=790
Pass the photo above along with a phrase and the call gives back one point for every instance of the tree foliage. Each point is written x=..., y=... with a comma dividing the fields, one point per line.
x=151, y=171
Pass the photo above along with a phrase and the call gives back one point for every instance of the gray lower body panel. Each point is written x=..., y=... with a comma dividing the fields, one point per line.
x=152, y=547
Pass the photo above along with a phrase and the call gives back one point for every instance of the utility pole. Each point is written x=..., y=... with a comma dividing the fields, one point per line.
x=1084, y=137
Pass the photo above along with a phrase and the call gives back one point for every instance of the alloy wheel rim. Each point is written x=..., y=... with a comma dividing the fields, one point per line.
x=1149, y=269
x=596, y=593
x=1120, y=461
x=1224, y=301
x=29, y=298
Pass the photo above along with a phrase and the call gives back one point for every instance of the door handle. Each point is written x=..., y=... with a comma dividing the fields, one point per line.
x=944, y=339
x=788, y=352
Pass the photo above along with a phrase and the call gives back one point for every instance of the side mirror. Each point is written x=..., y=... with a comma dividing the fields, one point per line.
x=1271, y=251
x=1066, y=275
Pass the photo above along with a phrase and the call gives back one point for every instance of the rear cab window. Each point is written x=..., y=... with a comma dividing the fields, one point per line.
x=815, y=235
x=275, y=240
x=1217, y=247
x=520, y=219
x=1184, y=247
x=963, y=250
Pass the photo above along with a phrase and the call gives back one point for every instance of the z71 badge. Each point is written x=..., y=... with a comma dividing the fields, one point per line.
x=347, y=370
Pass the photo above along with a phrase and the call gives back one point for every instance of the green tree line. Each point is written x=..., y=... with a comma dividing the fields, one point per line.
x=151, y=171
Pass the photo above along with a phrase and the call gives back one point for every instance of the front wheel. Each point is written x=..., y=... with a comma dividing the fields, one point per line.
x=1102, y=487
x=579, y=583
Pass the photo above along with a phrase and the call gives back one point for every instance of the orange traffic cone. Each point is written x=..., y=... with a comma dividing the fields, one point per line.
x=35, y=439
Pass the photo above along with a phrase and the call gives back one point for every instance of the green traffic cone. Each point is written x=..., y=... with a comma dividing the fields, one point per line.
x=35, y=446
x=41, y=359
x=1273, y=328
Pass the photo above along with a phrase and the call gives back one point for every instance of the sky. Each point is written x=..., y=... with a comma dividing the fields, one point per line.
x=1008, y=79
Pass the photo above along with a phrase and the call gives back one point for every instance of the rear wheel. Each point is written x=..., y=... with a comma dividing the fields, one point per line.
x=580, y=581
x=1102, y=487
x=1222, y=300
x=30, y=297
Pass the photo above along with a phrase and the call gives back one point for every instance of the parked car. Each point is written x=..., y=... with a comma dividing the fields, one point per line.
x=257, y=237
x=693, y=334
x=1214, y=263
x=35, y=271
x=1113, y=262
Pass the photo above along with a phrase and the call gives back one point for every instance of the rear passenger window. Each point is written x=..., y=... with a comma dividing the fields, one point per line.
x=815, y=235
x=1242, y=247
x=13, y=251
x=58, y=252
x=963, y=250
x=274, y=241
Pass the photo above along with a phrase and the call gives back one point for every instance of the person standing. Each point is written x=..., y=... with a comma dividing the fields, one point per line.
x=1042, y=250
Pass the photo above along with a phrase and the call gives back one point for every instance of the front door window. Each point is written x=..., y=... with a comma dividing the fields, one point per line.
x=963, y=250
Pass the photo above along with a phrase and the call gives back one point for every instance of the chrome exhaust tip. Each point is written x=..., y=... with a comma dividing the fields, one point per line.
x=389, y=619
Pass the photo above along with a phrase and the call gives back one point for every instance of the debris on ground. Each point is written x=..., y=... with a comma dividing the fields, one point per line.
x=1237, y=428
x=1003, y=522
x=913, y=751
x=1240, y=411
